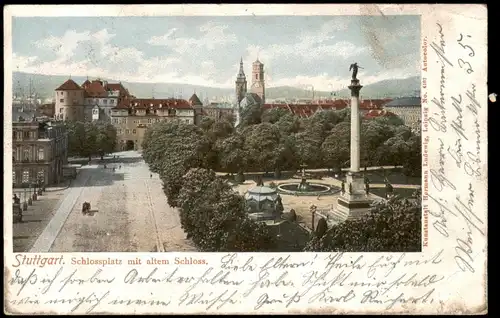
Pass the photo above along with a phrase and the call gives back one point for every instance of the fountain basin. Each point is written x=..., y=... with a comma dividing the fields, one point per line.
x=292, y=188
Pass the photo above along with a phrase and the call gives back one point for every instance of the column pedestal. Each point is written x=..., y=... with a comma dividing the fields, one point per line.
x=354, y=203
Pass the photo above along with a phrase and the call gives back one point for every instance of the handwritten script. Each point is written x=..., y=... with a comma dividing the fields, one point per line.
x=284, y=281
x=454, y=117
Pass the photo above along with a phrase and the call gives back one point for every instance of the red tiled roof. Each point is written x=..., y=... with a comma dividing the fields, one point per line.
x=118, y=87
x=144, y=103
x=95, y=89
x=306, y=110
x=86, y=83
x=69, y=85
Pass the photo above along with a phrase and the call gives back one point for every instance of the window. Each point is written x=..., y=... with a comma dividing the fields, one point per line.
x=150, y=120
x=41, y=176
x=61, y=100
x=26, y=134
x=133, y=131
x=111, y=101
x=26, y=154
x=61, y=110
x=256, y=76
x=13, y=176
x=41, y=154
x=105, y=101
x=26, y=176
x=120, y=131
x=127, y=131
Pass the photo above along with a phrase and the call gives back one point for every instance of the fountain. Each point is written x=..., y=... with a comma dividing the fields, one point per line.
x=306, y=188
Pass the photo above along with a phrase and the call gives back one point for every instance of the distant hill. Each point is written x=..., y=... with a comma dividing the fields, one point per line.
x=44, y=86
x=389, y=88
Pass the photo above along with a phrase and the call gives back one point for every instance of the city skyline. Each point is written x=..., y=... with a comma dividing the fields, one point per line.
x=206, y=51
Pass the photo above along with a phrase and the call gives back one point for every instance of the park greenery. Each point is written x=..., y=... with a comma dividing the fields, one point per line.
x=87, y=139
x=392, y=226
x=187, y=158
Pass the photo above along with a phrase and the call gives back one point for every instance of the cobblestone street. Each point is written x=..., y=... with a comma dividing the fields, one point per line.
x=132, y=214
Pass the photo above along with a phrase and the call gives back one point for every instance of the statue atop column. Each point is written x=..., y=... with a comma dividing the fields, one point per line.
x=354, y=67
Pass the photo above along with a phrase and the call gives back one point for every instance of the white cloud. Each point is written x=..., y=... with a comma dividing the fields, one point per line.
x=213, y=36
x=310, y=46
x=190, y=64
x=99, y=57
x=64, y=47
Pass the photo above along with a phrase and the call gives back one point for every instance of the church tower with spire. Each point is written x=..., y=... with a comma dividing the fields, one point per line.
x=258, y=85
x=241, y=84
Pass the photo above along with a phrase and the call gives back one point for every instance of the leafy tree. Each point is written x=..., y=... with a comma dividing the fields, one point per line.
x=373, y=135
x=325, y=120
x=263, y=147
x=231, y=152
x=308, y=146
x=206, y=123
x=413, y=160
x=90, y=138
x=398, y=149
x=273, y=115
x=393, y=226
x=251, y=115
x=171, y=149
x=288, y=124
x=105, y=139
x=214, y=217
x=390, y=120
x=336, y=147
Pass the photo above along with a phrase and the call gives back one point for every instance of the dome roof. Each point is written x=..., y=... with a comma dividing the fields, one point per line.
x=261, y=193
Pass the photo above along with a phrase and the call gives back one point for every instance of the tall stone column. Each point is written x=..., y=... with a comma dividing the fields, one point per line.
x=354, y=201
x=355, y=87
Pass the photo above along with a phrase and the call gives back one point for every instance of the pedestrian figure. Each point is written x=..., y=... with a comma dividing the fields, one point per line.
x=150, y=175
x=343, y=187
x=120, y=166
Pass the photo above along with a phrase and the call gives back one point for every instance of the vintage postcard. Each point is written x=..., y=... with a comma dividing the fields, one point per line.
x=222, y=159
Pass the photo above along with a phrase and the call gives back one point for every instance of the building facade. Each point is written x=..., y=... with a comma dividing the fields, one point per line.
x=409, y=109
x=69, y=102
x=77, y=103
x=39, y=152
x=132, y=117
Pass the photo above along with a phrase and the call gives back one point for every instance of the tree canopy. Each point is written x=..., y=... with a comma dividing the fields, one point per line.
x=393, y=226
x=213, y=215
x=86, y=139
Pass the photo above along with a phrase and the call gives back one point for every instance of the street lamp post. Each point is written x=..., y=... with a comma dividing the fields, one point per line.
x=34, y=190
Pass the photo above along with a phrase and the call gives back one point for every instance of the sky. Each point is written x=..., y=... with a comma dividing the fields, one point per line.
x=299, y=51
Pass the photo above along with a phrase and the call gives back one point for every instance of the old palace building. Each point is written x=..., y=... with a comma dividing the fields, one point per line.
x=133, y=116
